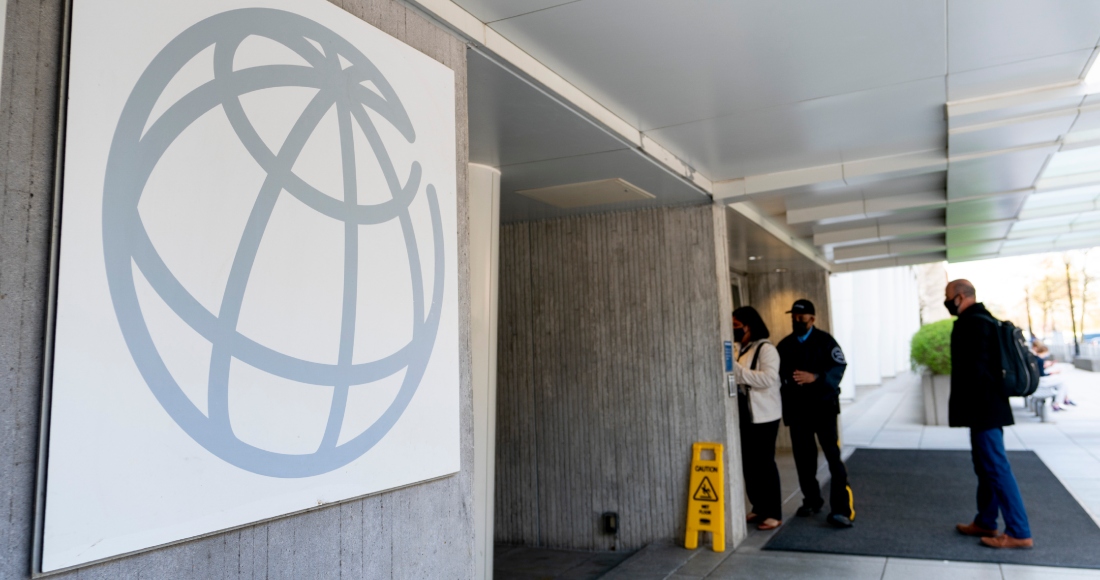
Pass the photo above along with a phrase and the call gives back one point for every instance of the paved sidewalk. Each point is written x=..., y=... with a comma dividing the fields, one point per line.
x=1069, y=443
x=891, y=416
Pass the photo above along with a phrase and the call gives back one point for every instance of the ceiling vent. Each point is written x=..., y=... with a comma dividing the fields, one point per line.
x=588, y=193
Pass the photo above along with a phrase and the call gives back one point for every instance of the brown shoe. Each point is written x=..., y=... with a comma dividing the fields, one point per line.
x=1007, y=541
x=973, y=529
x=751, y=517
x=769, y=524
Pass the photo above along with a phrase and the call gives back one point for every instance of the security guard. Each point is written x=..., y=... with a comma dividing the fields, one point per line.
x=811, y=366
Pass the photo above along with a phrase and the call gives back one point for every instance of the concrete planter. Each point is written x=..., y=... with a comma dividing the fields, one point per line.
x=1087, y=364
x=935, y=390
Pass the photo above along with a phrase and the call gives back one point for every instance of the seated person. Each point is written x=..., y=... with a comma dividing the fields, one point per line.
x=1049, y=377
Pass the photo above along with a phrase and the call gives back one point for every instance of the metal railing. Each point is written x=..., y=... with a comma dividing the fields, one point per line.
x=1063, y=351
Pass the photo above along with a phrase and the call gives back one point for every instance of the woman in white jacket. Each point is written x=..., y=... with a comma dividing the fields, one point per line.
x=757, y=375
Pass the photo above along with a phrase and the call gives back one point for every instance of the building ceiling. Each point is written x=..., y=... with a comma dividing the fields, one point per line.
x=753, y=250
x=882, y=133
x=537, y=140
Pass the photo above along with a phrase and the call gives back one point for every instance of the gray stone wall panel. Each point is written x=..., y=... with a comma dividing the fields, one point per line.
x=377, y=531
x=24, y=245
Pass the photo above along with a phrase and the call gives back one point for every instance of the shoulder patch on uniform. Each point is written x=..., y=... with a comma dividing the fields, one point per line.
x=838, y=355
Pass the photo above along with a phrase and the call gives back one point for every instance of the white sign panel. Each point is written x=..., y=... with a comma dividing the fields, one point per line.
x=257, y=305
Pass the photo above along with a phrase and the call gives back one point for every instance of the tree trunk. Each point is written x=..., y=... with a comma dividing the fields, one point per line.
x=1085, y=279
x=1027, y=306
x=1084, y=299
x=1072, y=314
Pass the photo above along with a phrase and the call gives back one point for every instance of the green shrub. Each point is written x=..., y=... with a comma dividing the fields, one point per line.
x=931, y=347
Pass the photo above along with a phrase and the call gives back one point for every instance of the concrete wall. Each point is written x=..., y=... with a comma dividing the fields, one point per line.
x=3, y=29
x=773, y=294
x=424, y=531
x=610, y=367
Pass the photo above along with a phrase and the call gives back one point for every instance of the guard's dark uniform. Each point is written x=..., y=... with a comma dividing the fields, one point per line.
x=812, y=409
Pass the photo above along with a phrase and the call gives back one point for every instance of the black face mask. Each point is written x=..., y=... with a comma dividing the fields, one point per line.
x=739, y=334
x=799, y=327
x=952, y=308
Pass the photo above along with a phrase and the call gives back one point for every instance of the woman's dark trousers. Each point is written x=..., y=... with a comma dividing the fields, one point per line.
x=758, y=463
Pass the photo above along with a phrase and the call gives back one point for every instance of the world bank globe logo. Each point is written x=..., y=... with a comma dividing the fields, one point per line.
x=345, y=81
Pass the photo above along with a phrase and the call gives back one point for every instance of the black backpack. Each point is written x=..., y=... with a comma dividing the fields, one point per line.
x=1020, y=371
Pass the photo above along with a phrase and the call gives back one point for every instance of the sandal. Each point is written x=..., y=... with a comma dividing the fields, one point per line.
x=751, y=517
x=769, y=524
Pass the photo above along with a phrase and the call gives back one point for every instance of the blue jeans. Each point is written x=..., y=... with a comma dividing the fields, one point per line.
x=997, y=489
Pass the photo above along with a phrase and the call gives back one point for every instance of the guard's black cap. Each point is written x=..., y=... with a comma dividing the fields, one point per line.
x=802, y=306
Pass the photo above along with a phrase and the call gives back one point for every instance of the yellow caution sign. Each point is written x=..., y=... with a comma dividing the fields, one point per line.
x=706, y=504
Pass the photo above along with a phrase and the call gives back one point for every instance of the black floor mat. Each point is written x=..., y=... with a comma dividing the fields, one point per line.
x=512, y=562
x=908, y=502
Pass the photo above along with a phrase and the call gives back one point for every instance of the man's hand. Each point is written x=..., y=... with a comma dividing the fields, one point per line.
x=804, y=378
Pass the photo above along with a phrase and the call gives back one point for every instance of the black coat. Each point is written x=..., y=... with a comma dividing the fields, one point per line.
x=820, y=355
x=977, y=380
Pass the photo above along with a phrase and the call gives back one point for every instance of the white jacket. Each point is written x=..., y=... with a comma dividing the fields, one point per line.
x=763, y=383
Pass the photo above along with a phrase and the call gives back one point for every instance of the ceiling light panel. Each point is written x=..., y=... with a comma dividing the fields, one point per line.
x=1036, y=233
x=1032, y=241
x=1086, y=160
x=589, y=193
x=1088, y=121
x=1052, y=221
x=978, y=233
x=1079, y=239
x=974, y=251
x=1010, y=110
x=1092, y=77
x=1089, y=217
x=989, y=209
x=1010, y=133
x=1023, y=226
x=1011, y=171
x=1062, y=197
x=1055, y=210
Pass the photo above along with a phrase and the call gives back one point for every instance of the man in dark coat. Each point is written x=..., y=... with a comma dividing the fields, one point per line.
x=978, y=401
x=811, y=365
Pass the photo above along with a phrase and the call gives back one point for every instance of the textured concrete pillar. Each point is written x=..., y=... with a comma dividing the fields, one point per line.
x=736, y=529
x=3, y=26
x=484, y=188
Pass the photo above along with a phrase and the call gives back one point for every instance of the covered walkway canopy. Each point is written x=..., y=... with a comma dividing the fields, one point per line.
x=865, y=134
